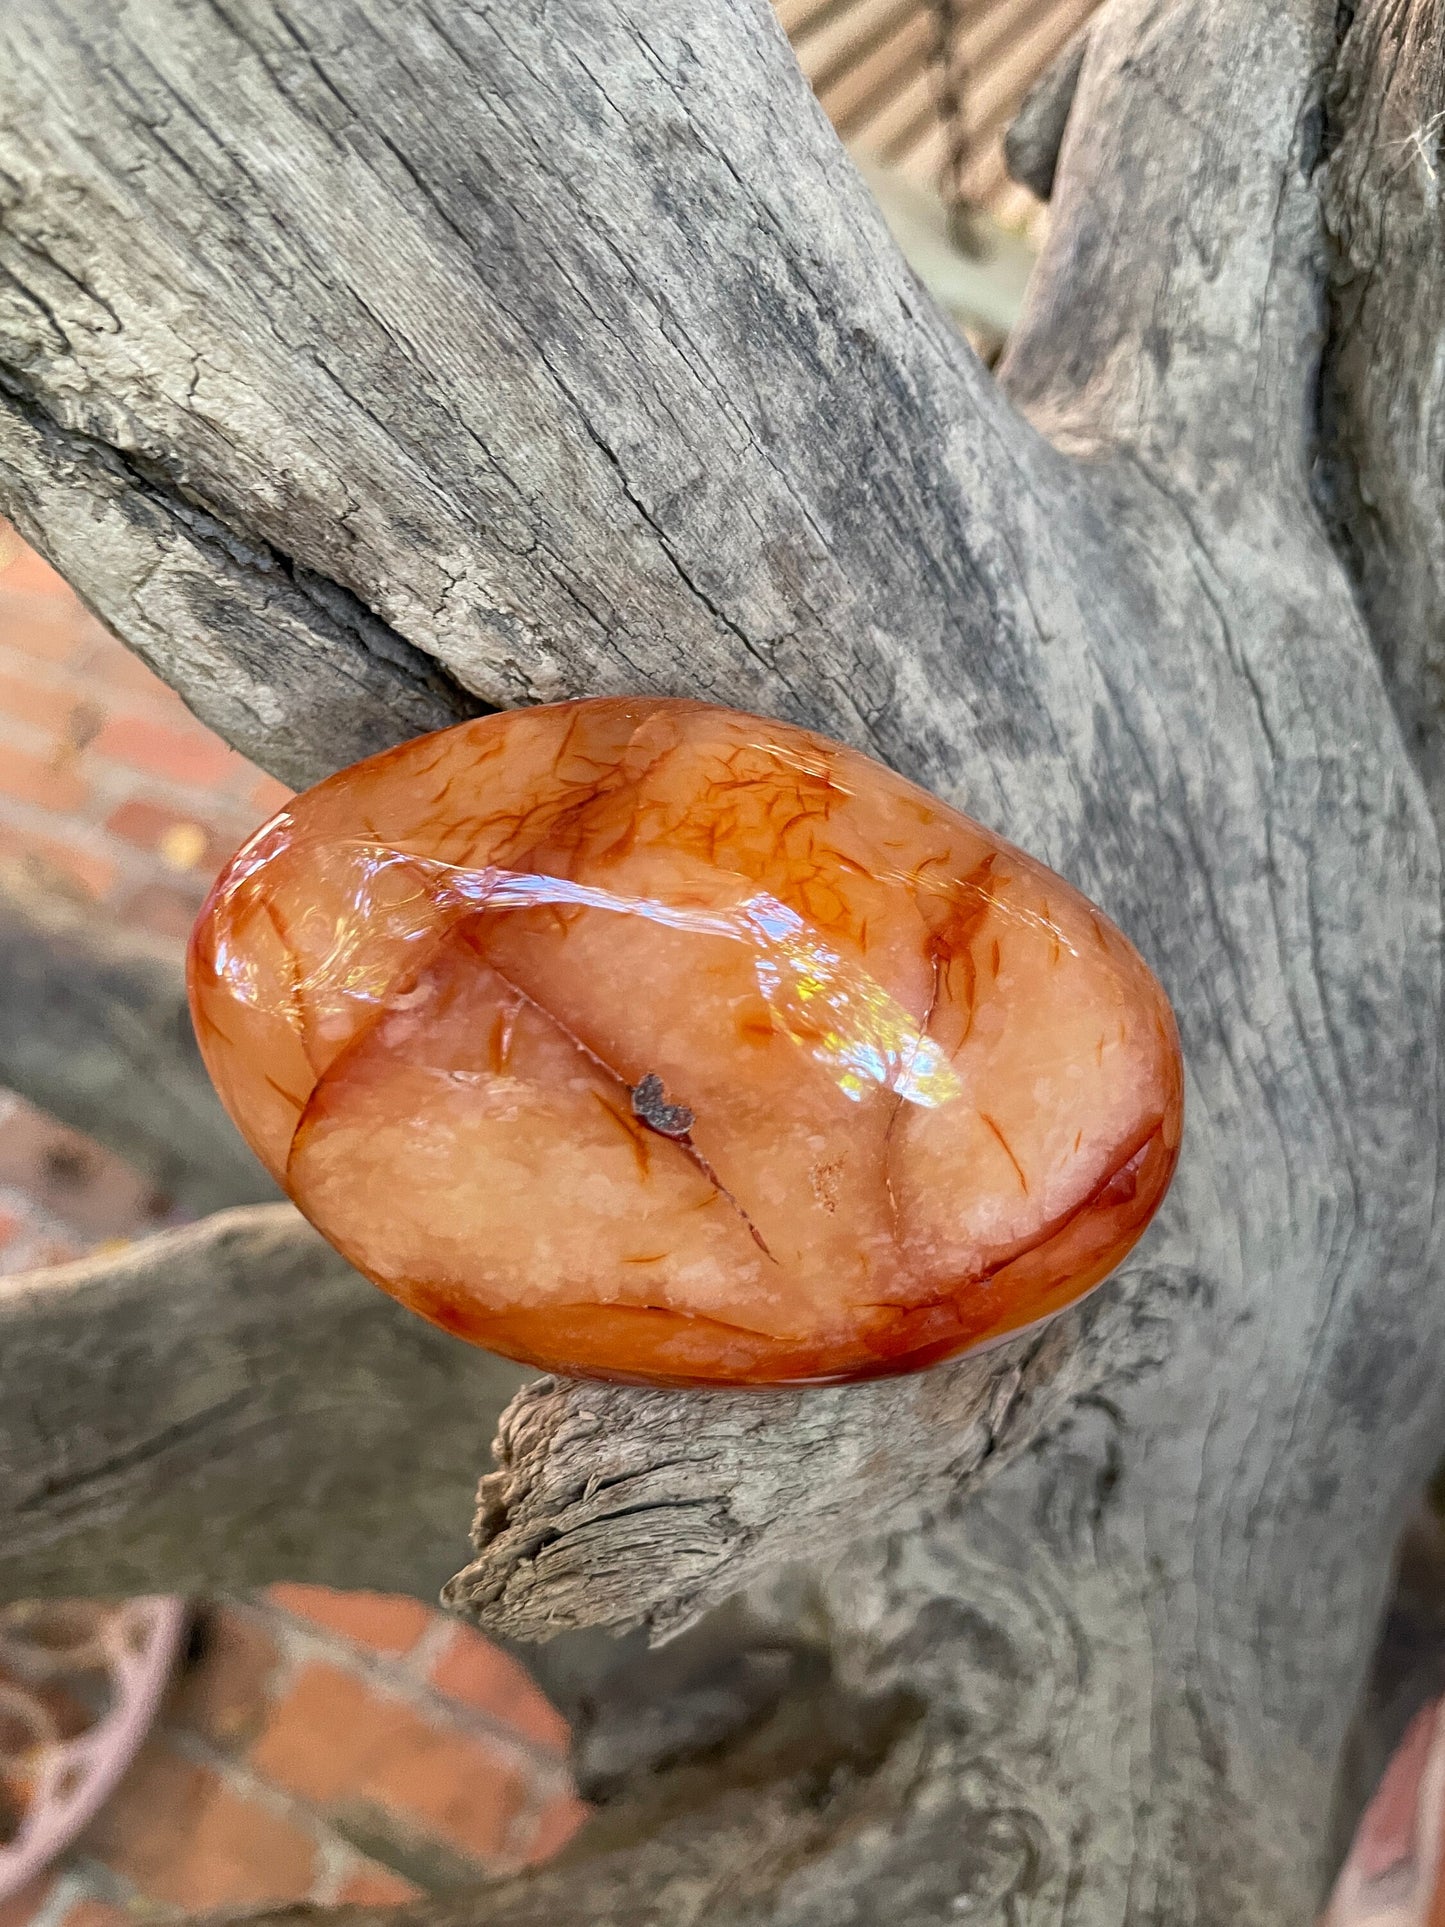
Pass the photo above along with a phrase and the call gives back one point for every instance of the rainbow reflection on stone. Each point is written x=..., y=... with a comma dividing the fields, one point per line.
x=651, y=1040
x=829, y=1007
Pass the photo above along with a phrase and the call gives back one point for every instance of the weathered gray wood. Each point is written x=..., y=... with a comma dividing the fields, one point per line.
x=273, y=655
x=551, y=472
x=227, y=1405
x=1381, y=468
x=95, y=1030
x=1036, y=134
x=565, y=341
x=609, y=1510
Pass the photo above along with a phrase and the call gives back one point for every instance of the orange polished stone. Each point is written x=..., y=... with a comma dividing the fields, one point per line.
x=653, y=1041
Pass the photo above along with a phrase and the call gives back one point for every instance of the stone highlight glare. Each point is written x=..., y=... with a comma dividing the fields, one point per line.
x=647, y=1040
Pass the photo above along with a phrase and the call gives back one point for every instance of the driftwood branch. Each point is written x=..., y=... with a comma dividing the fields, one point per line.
x=612, y=1510
x=533, y=499
x=277, y=657
x=227, y=1405
x=1382, y=454
x=94, y=1028
x=564, y=345
x=1035, y=136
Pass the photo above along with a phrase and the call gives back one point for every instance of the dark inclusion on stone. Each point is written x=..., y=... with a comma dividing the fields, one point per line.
x=649, y=1040
x=649, y=1102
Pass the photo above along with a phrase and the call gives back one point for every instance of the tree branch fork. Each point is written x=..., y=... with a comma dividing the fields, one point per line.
x=702, y=433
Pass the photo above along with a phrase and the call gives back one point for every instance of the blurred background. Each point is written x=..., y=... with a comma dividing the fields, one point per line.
x=309, y=1745
x=161, y=1759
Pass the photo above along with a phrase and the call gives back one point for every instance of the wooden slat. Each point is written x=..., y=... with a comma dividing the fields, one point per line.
x=870, y=87
x=871, y=63
x=851, y=35
x=992, y=90
x=799, y=18
x=899, y=89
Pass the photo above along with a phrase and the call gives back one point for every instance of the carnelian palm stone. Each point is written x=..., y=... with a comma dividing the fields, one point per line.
x=652, y=1041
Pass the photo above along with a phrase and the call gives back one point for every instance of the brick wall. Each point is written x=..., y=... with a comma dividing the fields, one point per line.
x=110, y=791
x=327, y=1747
x=107, y=782
x=317, y=1746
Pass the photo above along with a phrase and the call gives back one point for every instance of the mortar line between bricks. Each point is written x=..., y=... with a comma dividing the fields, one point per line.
x=27, y=736
x=111, y=784
x=112, y=781
x=135, y=869
x=66, y=1889
x=58, y=826
x=337, y=1860
x=97, y=1881
x=119, y=782
x=336, y=1857
x=83, y=680
x=419, y=1659
x=382, y=1672
x=36, y=737
x=136, y=866
x=55, y=677
x=526, y=1823
x=243, y=1778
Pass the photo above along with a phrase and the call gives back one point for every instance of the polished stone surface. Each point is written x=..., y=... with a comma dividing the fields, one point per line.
x=654, y=1041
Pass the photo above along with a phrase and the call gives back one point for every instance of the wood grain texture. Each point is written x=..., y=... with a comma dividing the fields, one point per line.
x=269, y=653
x=1382, y=456
x=565, y=344
x=612, y=1510
x=552, y=471
x=226, y=1405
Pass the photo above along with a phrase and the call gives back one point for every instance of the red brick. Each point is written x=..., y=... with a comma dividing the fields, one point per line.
x=320, y=1738
x=267, y=796
x=225, y=1695
x=65, y=866
x=382, y=1621
x=167, y=913
x=184, y=1837
x=51, y=632
x=42, y=705
x=337, y=1741
x=561, y=1819
x=29, y=573
x=40, y=781
x=480, y=1675
x=17, y=1910
x=87, y=1188
x=168, y=832
x=180, y=754
x=375, y=1886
